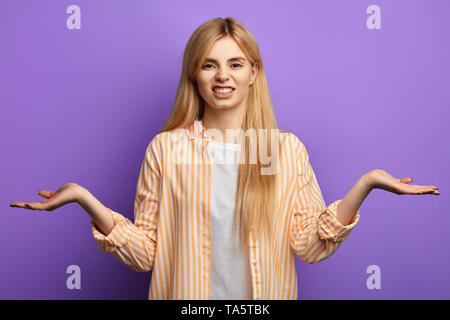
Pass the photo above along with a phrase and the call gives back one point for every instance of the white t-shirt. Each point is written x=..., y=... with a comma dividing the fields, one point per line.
x=230, y=266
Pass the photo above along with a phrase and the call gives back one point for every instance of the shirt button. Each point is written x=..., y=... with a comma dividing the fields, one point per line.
x=255, y=261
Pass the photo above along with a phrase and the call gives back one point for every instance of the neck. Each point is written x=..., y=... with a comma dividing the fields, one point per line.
x=222, y=120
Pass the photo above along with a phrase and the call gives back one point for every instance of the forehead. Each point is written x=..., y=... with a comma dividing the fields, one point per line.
x=225, y=48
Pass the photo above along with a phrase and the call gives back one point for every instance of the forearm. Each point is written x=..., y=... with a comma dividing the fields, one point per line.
x=101, y=215
x=347, y=208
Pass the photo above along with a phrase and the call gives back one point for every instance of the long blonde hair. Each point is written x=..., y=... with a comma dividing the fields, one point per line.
x=256, y=193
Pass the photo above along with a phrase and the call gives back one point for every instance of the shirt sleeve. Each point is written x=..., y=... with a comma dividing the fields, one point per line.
x=135, y=244
x=315, y=232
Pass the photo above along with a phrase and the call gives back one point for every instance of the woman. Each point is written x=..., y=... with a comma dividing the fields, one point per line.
x=189, y=206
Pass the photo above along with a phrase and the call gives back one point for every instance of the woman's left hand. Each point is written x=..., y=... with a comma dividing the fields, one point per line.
x=382, y=180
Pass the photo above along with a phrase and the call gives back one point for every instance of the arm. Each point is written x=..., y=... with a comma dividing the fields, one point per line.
x=133, y=244
x=315, y=231
x=347, y=208
x=100, y=215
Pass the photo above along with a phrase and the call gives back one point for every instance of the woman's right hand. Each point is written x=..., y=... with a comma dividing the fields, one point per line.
x=68, y=193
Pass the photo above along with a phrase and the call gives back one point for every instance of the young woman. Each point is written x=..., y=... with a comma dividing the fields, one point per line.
x=192, y=209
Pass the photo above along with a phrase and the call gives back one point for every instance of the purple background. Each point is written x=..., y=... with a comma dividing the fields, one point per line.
x=82, y=105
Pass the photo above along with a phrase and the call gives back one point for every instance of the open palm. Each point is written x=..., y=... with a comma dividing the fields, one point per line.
x=54, y=199
x=383, y=180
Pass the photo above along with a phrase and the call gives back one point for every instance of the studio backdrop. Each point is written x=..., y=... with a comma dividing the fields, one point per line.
x=85, y=85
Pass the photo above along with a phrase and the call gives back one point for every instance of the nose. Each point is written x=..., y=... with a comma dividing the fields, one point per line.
x=222, y=75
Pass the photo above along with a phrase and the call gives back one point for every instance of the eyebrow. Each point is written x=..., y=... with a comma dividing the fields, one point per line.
x=232, y=59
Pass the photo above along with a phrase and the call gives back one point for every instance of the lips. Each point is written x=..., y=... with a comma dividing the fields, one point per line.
x=223, y=94
x=219, y=87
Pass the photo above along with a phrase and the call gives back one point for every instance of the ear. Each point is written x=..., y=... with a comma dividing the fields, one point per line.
x=254, y=71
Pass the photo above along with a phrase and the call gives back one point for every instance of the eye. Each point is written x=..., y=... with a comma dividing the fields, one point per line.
x=234, y=64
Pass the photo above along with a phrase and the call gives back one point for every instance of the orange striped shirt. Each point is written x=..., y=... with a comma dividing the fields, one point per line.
x=172, y=210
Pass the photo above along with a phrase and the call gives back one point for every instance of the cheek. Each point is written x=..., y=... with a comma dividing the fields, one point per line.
x=243, y=81
x=202, y=86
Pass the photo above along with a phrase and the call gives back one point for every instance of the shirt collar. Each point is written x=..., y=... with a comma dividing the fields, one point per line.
x=196, y=130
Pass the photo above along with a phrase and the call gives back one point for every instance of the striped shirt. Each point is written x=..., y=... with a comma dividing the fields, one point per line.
x=171, y=234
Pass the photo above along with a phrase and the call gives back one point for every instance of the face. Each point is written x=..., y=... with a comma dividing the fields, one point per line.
x=225, y=66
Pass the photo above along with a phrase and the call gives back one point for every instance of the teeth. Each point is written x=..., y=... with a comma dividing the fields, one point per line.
x=223, y=90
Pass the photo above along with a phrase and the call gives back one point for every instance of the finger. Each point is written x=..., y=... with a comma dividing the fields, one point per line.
x=406, y=180
x=29, y=205
x=415, y=189
x=427, y=187
x=431, y=192
x=426, y=191
x=46, y=193
x=18, y=204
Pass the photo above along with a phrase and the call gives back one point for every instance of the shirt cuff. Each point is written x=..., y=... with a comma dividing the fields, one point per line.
x=116, y=238
x=331, y=228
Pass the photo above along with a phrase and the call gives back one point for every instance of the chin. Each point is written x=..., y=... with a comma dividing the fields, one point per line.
x=223, y=107
x=222, y=104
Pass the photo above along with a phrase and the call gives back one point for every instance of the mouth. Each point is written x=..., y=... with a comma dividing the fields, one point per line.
x=219, y=89
x=223, y=92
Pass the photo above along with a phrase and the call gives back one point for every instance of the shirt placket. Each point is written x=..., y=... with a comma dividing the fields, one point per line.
x=254, y=266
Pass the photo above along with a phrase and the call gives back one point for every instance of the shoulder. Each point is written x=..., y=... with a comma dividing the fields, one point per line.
x=291, y=140
x=167, y=140
x=165, y=137
x=155, y=147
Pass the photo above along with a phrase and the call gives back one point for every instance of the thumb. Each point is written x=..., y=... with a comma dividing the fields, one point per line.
x=46, y=193
x=406, y=180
